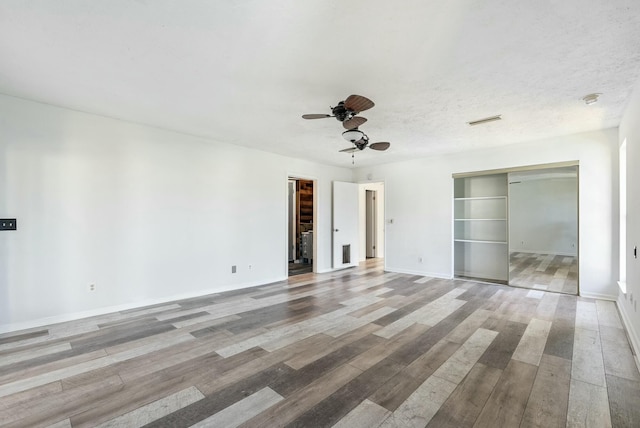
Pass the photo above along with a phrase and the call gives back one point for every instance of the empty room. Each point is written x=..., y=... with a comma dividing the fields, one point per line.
x=319, y=214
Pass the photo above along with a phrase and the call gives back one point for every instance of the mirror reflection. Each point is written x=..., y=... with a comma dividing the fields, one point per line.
x=543, y=229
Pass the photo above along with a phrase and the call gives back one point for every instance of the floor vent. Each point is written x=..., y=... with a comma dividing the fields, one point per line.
x=346, y=254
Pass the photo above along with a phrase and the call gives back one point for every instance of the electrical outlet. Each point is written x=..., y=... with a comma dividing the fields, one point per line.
x=92, y=287
x=233, y=269
x=8, y=224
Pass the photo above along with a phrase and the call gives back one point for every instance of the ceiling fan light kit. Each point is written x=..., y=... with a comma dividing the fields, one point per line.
x=353, y=135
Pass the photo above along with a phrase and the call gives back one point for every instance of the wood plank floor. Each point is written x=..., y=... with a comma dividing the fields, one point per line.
x=548, y=272
x=355, y=348
x=299, y=268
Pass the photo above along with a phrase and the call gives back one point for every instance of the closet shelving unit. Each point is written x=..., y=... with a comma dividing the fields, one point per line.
x=480, y=227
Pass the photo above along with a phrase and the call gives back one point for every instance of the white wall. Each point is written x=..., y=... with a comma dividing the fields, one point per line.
x=144, y=214
x=419, y=201
x=627, y=303
x=543, y=216
x=379, y=188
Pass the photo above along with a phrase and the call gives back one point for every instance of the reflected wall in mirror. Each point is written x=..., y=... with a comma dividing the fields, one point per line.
x=543, y=229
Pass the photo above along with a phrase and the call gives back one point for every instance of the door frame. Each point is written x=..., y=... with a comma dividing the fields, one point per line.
x=371, y=223
x=521, y=168
x=297, y=176
x=381, y=222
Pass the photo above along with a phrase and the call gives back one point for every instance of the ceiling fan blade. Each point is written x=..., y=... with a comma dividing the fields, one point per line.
x=315, y=116
x=358, y=103
x=354, y=122
x=349, y=150
x=380, y=146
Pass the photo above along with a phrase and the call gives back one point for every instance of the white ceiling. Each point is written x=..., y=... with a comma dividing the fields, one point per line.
x=244, y=71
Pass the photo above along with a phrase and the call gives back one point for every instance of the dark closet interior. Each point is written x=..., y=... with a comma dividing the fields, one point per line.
x=301, y=256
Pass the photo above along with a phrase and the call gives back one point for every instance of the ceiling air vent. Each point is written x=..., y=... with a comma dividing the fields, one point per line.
x=485, y=120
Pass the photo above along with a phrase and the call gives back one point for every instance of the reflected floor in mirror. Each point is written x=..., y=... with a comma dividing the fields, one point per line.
x=547, y=272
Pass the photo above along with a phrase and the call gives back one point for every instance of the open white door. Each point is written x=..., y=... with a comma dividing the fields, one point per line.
x=345, y=224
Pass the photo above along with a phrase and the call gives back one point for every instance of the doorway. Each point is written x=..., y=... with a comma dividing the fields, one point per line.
x=371, y=222
x=300, y=230
x=371, y=215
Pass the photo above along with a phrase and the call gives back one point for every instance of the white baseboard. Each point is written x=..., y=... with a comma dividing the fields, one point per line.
x=415, y=272
x=599, y=296
x=56, y=319
x=634, y=338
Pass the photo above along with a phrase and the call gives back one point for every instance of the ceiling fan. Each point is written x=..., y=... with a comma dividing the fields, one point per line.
x=360, y=141
x=347, y=111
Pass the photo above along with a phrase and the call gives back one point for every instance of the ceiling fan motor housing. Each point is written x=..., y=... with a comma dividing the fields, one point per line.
x=341, y=112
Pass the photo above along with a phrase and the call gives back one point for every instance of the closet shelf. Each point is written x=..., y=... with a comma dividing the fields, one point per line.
x=479, y=198
x=480, y=219
x=480, y=227
x=477, y=241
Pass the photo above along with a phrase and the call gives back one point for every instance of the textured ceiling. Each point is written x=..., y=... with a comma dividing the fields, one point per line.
x=244, y=72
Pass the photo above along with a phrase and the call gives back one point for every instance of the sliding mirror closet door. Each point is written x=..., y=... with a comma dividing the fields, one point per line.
x=543, y=229
x=480, y=228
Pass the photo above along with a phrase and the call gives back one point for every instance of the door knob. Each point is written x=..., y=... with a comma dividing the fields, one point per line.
x=336, y=230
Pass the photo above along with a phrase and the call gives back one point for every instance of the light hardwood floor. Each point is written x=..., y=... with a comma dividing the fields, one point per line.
x=356, y=348
x=544, y=272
